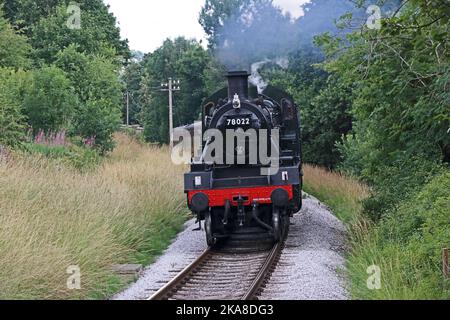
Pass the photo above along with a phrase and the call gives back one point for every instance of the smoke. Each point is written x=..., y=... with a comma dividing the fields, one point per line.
x=257, y=32
x=260, y=33
x=257, y=80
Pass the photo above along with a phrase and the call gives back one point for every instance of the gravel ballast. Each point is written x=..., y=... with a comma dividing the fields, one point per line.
x=311, y=267
x=312, y=264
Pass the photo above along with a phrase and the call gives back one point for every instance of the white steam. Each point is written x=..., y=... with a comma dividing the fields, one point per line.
x=257, y=80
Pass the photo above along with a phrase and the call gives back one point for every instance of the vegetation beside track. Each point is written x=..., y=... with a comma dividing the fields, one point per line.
x=405, y=245
x=52, y=216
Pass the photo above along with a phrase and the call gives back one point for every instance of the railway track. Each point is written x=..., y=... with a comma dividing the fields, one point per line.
x=223, y=274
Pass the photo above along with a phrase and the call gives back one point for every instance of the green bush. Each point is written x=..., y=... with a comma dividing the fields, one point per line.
x=50, y=102
x=423, y=220
x=407, y=246
x=98, y=121
x=12, y=122
x=80, y=158
x=98, y=88
x=14, y=47
x=395, y=182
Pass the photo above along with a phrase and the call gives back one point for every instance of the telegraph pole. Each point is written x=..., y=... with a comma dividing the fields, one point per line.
x=128, y=109
x=173, y=85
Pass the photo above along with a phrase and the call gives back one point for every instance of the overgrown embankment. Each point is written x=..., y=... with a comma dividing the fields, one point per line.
x=405, y=244
x=53, y=216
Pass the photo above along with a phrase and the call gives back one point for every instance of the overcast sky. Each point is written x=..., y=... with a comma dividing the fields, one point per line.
x=147, y=23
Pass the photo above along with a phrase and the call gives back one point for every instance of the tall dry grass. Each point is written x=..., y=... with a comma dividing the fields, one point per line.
x=53, y=216
x=343, y=194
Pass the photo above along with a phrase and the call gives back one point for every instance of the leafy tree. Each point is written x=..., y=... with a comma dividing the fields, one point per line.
x=50, y=101
x=190, y=69
x=399, y=75
x=131, y=78
x=324, y=104
x=45, y=22
x=98, y=34
x=99, y=91
x=12, y=121
x=26, y=13
x=325, y=123
x=214, y=14
x=181, y=59
x=14, y=48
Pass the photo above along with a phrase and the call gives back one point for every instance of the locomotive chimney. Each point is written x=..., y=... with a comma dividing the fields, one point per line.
x=238, y=84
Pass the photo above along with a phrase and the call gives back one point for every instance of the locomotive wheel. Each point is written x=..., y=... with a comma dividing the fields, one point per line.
x=210, y=240
x=277, y=224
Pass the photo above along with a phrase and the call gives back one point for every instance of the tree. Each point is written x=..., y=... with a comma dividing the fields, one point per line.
x=131, y=78
x=49, y=103
x=97, y=34
x=181, y=59
x=213, y=16
x=76, y=85
x=14, y=48
x=45, y=23
x=99, y=91
x=399, y=74
x=12, y=121
x=26, y=13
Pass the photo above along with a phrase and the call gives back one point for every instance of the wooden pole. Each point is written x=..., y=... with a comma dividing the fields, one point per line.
x=171, y=113
x=445, y=270
x=128, y=109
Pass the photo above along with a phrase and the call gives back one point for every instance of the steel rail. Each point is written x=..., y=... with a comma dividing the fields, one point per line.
x=170, y=289
x=166, y=291
x=264, y=273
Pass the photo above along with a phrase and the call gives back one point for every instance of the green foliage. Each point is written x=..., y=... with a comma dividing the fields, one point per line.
x=400, y=99
x=50, y=102
x=324, y=104
x=80, y=158
x=326, y=121
x=407, y=246
x=183, y=60
x=76, y=87
x=395, y=182
x=213, y=13
x=398, y=78
x=12, y=121
x=97, y=34
x=46, y=23
x=99, y=90
x=131, y=78
x=14, y=48
x=26, y=13
x=98, y=120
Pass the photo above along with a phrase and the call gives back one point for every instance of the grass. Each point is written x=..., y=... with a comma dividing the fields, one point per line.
x=53, y=216
x=405, y=246
x=341, y=193
x=81, y=158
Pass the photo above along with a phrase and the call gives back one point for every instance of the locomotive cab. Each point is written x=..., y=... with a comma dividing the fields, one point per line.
x=233, y=187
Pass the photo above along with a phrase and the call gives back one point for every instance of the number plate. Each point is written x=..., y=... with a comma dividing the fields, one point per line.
x=239, y=121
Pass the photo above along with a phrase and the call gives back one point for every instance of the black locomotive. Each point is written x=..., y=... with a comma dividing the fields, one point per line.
x=249, y=195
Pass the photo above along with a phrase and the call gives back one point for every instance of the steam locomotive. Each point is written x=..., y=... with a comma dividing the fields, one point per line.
x=247, y=195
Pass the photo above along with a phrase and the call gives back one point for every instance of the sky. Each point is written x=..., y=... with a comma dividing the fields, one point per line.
x=147, y=23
